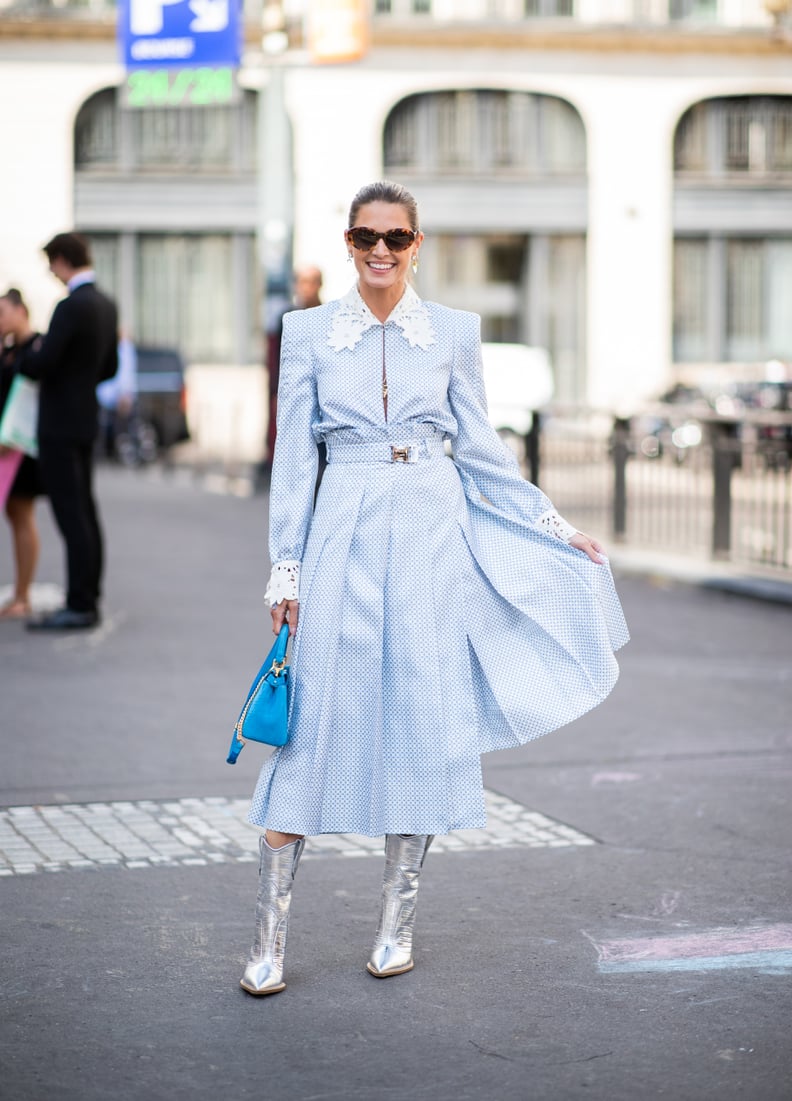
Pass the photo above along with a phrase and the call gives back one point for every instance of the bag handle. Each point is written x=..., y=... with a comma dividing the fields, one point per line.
x=279, y=649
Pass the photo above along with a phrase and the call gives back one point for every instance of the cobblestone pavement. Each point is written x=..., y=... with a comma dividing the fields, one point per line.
x=200, y=832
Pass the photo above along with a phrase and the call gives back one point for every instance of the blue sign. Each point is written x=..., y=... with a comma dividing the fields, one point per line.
x=175, y=34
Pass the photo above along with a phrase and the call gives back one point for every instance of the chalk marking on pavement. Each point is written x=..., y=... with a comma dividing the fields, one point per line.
x=45, y=596
x=201, y=832
x=765, y=948
x=93, y=638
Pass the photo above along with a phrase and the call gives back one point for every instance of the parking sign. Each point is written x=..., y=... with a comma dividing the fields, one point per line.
x=168, y=34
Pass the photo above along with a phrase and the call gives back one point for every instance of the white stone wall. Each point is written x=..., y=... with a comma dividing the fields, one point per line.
x=41, y=90
x=739, y=13
x=630, y=105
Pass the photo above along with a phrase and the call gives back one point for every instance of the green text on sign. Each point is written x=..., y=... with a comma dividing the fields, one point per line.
x=201, y=87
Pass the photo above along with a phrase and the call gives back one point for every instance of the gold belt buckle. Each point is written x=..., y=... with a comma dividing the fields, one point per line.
x=400, y=454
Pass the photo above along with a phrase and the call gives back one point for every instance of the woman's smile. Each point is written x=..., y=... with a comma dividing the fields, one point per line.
x=381, y=272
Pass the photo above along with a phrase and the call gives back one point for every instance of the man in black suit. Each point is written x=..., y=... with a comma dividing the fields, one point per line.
x=79, y=351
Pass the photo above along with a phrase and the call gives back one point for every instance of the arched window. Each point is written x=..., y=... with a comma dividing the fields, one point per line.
x=733, y=231
x=500, y=177
x=165, y=139
x=739, y=135
x=168, y=197
x=484, y=130
x=96, y=131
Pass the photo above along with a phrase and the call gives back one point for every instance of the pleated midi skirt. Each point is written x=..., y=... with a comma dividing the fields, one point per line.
x=432, y=629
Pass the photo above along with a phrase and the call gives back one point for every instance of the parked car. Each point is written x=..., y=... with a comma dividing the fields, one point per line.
x=518, y=381
x=161, y=394
x=675, y=433
x=773, y=441
x=679, y=431
x=671, y=436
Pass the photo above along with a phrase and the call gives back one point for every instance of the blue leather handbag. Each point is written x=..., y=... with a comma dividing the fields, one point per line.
x=264, y=715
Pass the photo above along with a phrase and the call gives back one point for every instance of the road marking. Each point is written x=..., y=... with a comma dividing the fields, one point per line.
x=45, y=596
x=765, y=948
x=201, y=832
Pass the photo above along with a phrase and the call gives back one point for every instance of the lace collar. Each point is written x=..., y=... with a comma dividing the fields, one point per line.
x=353, y=318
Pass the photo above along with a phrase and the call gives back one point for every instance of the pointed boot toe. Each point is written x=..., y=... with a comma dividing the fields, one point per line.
x=262, y=978
x=389, y=959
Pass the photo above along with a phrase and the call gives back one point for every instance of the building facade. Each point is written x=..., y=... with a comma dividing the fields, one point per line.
x=610, y=179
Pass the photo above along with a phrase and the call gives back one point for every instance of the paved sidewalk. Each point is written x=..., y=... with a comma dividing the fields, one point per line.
x=214, y=830
x=621, y=930
x=722, y=576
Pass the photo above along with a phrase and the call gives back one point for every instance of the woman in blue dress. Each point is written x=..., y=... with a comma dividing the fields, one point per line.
x=440, y=607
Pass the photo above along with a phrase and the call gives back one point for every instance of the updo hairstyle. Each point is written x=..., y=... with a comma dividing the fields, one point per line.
x=385, y=191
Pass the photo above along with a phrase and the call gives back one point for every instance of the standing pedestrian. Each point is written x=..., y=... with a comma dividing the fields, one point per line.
x=445, y=608
x=19, y=341
x=116, y=397
x=307, y=289
x=78, y=352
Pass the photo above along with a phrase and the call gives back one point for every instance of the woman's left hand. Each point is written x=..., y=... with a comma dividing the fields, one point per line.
x=589, y=546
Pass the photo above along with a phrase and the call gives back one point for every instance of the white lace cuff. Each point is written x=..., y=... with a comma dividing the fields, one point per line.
x=553, y=524
x=284, y=582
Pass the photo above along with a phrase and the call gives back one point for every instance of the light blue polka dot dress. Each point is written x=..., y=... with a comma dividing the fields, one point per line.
x=442, y=613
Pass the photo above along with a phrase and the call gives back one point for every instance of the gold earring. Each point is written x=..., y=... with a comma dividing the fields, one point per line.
x=414, y=262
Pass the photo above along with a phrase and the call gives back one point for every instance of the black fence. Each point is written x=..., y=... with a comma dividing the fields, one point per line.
x=672, y=478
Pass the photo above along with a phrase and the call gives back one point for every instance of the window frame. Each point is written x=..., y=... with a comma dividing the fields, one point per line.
x=448, y=133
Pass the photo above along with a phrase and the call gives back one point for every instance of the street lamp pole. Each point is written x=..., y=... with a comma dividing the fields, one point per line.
x=274, y=173
x=274, y=187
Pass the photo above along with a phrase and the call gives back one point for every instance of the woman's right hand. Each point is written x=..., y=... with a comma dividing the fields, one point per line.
x=285, y=612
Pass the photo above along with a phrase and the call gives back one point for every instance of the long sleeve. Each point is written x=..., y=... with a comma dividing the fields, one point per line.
x=49, y=357
x=480, y=454
x=295, y=461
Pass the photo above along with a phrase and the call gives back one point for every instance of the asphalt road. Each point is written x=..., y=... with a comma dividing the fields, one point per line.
x=653, y=963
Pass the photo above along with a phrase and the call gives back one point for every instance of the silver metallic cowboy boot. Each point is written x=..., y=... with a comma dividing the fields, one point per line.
x=392, y=952
x=264, y=971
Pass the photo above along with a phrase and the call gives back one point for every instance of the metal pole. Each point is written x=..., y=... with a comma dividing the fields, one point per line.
x=722, y=466
x=274, y=231
x=274, y=197
x=532, y=446
x=620, y=448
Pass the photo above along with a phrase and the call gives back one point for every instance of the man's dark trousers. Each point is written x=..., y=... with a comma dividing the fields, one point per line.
x=67, y=472
x=80, y=350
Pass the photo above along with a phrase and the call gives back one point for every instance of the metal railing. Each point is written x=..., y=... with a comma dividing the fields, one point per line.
x=673, y=478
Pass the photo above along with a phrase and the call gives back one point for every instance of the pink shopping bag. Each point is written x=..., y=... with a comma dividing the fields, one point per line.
x=9, y=465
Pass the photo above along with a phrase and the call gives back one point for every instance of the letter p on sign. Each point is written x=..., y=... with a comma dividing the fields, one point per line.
x=145, y=16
